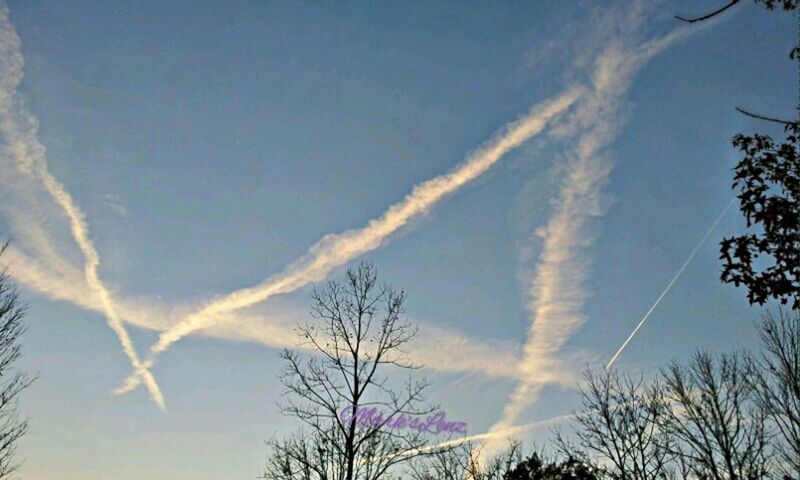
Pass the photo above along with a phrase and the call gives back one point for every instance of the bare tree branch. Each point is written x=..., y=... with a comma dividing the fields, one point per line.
x=708, y=15
x=716, y=427
x=778, y=384
x=762, y=117
x=12, y=427
x=618, y=422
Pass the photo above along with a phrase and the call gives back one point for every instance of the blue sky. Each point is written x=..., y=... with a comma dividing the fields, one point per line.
x=210, y=145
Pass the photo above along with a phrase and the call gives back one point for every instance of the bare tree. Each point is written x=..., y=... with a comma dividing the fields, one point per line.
x=357, y=423
x=498, y=467
x=715, y=425
x=305, y=456
x=464, y=462
x=313, y=455
x=619, y=422
x=457, y=463
x=12, y=383
x=779, y=384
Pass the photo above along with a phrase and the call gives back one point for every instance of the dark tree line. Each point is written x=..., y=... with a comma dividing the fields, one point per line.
x=462, y=463
x=732, y=416
x=718, y=417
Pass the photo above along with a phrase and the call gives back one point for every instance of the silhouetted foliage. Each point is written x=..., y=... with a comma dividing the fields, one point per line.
x=768, y=184
x=769, y=196
x=12, y=427
x=498, y=467
x=536, y=468
x=462, y=463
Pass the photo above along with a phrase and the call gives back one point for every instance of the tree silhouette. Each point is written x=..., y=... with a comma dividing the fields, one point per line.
x=778, y=385
x=463, y=463
x=618, y=425
x=716, y=428
x=359, y=333
x=536, y=468
x=12, y=427
x=767, y=261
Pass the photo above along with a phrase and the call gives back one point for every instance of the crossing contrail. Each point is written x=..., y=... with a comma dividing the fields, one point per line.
x=670, y=284
x=556, y=287
x=333, y=251
x=18, y=126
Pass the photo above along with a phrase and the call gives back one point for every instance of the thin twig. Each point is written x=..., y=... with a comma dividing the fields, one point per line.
x=762, y=117
x=709, y=15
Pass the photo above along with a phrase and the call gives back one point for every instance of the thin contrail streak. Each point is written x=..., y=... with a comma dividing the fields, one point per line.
x=81, y=236
x=335, y=250
x=506, y=432
x=670, y=284
x=29, y=154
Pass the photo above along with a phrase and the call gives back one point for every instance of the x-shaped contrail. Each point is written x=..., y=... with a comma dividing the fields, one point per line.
x=19, y=129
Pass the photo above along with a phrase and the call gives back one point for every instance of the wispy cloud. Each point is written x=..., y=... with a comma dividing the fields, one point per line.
x=114, y=204
x=440, y=350
x=556, y=285
x=335, y=250
x=19, y=129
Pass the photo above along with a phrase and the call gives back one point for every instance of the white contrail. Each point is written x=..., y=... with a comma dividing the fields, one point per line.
x=335, y=250
x=501, y=434
x=670, y=284
x=19, y=128
x=439, y=349
x=556, y=291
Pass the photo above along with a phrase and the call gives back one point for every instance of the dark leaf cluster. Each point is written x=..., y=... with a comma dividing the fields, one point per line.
x=767, y=180
x=536, y=468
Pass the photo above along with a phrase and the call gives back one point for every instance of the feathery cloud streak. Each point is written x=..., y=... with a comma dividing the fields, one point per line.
x=556, y=287
x=441, y=350
x=19, y=127
x=335, y=250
